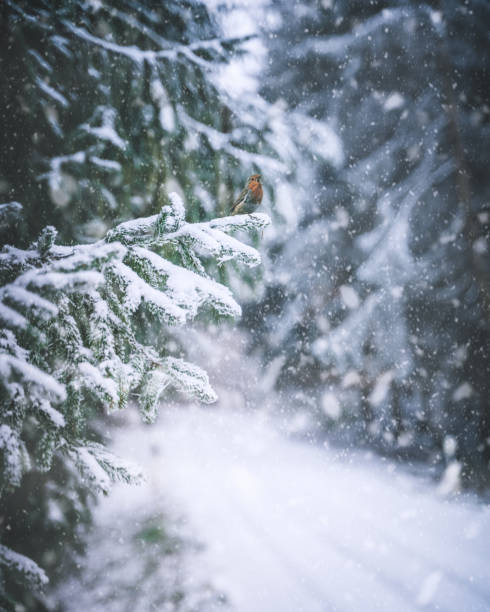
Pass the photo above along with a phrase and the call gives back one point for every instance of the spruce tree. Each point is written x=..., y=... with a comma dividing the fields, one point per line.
x=75, y=342
x=106, y=109
x=388, y=319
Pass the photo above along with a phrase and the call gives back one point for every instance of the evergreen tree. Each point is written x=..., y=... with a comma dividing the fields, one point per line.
x=385, y=316
x=108, y=106
x=76, y=341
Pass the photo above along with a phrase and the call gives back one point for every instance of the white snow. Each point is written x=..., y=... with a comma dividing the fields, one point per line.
x=291, y=527
x=450, y=445
x=190, y=290
x=137, y=228
x=190, y=379
x=381, y=388
x=351, y=379
x=107, y=130
x=92, y=469
x=29, y=299
x=166, y=114
x=95, y=377
x=178, y=208
x=52, y=93
x=60, y=280
x=451, y=479
x=54, y=415
x=330, y=405
x=464, y=391
x=204, y=237
x=11, y=454
x=30, y=571
x=393, y=101
x=429, y=588
x=12, y=318
x=11, y=366
x=108, y=164
x=137, y=291
x=349, y=296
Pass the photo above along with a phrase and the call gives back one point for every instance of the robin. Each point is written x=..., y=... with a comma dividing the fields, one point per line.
x=249, y=198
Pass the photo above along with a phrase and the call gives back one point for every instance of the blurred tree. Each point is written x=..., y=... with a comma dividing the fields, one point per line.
x=107, y=105
x=379, y=307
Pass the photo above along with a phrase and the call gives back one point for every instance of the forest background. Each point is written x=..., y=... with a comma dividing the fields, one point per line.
x=370, y=312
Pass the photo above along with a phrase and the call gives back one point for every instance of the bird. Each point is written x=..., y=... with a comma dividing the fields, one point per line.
x=250, y=197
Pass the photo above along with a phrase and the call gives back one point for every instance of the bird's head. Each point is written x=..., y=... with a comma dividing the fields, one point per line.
x=255, y=178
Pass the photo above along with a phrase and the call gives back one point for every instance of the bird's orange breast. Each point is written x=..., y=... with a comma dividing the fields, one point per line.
x=256, y=189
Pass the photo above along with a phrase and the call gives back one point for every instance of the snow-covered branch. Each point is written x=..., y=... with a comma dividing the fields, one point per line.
x=74, y=318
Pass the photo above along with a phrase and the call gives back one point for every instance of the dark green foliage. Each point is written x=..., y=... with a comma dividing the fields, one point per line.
x=74, y=347
x=105, y=107
x=104, y=110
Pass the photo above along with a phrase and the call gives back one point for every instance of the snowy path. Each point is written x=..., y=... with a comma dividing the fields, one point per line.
x=289, y=528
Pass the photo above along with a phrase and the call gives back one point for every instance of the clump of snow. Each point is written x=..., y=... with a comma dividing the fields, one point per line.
x=349, y=296
x=62, y=186
x=107, y=164
x=51, y=92
x=190, y=379
x=95, y=377
x=10, y=366
x=91, y=468
x=54, y=415
x=451, y=479
x=351, y=379
x=178, y=208
x=405, y=439
x=436, y=17
x=480, y=246
x=394, y=101
x=429, y=588
x=25, y=567
x=166, y=114
x=381, y=388
x=106, y=131
x=137, y=291
x=11, y=454
x=464, y=391
x=449, y=445
x=331, y=406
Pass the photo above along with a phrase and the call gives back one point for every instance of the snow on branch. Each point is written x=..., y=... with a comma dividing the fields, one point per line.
x=11, y=367
x=25, y=570
x=338, y=46
x=184, y=377
x=186, y=289
x=256, y=221
x=172, y=52
x=210, y=236
x=102, y=467
x=73, y=321
x=221, y=141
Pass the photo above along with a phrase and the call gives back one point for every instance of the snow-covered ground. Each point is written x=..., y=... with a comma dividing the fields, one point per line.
x=291, y=527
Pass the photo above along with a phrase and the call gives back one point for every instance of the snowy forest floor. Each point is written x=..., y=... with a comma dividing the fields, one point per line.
x=287, y=526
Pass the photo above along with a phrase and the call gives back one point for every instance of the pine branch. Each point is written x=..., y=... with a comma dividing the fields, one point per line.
x=74, y=318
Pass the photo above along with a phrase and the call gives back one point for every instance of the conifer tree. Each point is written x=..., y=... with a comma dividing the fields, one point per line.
x=388, y=320
x=119, y=104
x=106, y=108
x=74, y=343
